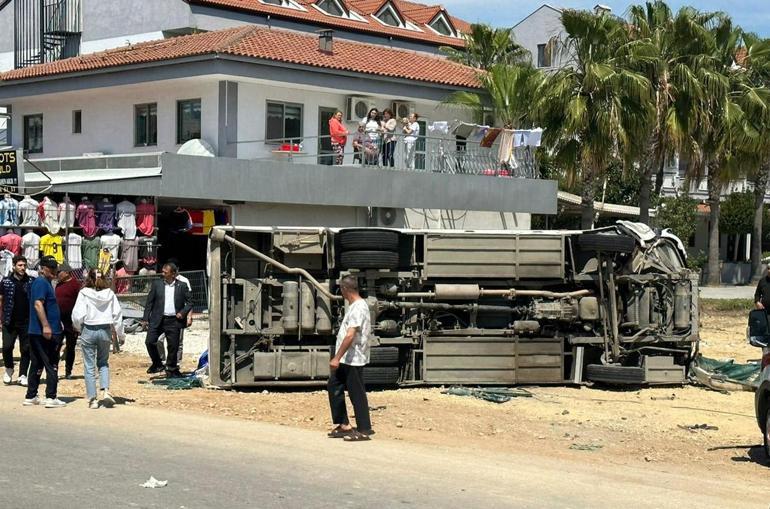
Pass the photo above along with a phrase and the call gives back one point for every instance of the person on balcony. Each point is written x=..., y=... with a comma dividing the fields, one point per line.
x=389, y=137
x=411, y=131
x=358, y=142
x=339, y=137
x=373, y=129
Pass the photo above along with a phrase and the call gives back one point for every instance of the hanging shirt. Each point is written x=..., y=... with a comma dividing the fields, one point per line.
x=28, y=212
x=111, y=241
x=208, y=221
x=105, y=261
x=30, y=246
x=66, y=214
x=53, y=245
x=6, y=262
x=86, y=217
x=145, y=218
x=12, y=242
x=48, y=212
x=105, y=211
x=74, y=251
x=148, y=250
x=90, y=251
x=129, y=253
x=11, y=209
x=127, y=218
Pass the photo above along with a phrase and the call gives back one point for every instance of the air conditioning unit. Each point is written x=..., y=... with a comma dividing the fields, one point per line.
x=402, y=109
x=386, y=216
x=358, y=107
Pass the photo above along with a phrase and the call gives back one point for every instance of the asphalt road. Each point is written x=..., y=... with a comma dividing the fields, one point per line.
x=75, y=457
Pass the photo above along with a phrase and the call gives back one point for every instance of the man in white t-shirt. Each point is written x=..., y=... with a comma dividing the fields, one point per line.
x=411, y=132
x=347, y=366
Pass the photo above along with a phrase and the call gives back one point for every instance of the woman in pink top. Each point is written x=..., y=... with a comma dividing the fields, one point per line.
x=339, y=136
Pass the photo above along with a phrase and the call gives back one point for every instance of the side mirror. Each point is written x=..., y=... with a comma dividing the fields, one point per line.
x=759, y=329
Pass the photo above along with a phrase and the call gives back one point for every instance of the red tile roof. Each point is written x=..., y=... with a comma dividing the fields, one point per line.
x=266, y=44
x=414, y=12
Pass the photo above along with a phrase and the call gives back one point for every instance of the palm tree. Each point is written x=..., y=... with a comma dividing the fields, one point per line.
x=509, y=93
x=594, y=109
x=665, y=47
x=486, y=46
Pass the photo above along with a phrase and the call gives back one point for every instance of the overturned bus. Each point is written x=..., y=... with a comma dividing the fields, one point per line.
x=614, y=305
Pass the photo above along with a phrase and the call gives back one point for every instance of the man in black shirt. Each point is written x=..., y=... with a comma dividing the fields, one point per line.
x=762, y=295
x=14, y=314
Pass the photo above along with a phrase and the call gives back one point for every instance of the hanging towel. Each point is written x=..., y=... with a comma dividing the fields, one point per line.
x=490, y=137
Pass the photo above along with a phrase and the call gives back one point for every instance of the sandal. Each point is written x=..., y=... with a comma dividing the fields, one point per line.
x=339, y=432
x=356, y=436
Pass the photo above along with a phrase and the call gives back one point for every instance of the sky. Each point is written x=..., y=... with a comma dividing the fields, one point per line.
x=752, y=15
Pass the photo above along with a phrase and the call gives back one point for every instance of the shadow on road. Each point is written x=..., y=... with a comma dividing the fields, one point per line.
x=754, y=454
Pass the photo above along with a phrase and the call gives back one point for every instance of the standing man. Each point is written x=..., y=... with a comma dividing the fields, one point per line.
x=14, y=310
x=165, y=312
x=66, y=295
x=762, y=294
x=346, y=368
x=45, y=334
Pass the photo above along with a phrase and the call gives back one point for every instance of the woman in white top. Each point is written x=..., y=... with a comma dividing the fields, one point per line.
x=411, y=131
x=389, y=138
x=97, y=314
x=373, y=131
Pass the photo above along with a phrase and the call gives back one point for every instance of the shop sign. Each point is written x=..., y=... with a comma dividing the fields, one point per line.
x=9, y=168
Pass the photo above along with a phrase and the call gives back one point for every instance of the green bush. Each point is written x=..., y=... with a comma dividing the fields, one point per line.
x=680, y=214
x=697, y=261
x=736, y=214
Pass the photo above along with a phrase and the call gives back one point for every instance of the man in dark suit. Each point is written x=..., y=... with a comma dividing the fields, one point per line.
x=165, y=312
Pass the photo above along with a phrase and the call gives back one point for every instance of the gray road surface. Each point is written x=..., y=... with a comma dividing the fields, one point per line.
x=75, y=457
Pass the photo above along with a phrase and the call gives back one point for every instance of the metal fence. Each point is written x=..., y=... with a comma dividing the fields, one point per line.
x=132, y=290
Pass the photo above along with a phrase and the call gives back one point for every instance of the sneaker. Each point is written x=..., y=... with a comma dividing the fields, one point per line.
x=23, y=380
x=8, y=376
x=31, y=401
x=93, y=404
x=107, y=399
x=155, y=369
x=54, y=403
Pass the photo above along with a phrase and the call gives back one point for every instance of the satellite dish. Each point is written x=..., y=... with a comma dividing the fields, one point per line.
x=197, y=147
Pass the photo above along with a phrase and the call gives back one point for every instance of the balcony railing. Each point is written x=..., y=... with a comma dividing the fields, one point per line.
x=399, y=152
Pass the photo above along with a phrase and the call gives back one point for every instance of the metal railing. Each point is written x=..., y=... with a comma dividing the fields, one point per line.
x=437, y=154
x=132, y=290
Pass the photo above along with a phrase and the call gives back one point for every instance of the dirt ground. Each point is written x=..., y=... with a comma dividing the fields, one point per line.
x=649, y=426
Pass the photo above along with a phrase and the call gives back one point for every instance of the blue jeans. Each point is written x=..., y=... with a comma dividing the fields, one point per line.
x=96, y=341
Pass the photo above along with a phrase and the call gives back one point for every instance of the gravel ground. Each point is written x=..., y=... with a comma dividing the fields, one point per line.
x=196, y=339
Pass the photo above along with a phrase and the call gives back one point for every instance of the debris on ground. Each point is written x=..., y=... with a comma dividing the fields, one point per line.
x=154, y=483
x=692, y=428
x=725, y=375
x=585, y=447
x=493, y=394
x=175, y=384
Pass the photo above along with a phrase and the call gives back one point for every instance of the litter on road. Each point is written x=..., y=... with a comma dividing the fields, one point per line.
x=154, y=483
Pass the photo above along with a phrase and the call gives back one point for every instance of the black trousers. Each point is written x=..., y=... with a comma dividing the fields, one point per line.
x=171, y=327
x=350, y=378
x=70, y=344
x=44, y=355
x=388, y=151
x=10, y=333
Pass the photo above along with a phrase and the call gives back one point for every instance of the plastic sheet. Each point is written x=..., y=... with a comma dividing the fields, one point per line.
x=493, y=394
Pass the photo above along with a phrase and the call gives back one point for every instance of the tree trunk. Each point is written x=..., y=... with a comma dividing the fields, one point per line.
x=715, y=192
x=587, y=203
x=760, y=187
x=645, y=191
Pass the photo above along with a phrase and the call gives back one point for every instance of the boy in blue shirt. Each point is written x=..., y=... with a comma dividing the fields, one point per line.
x=45, y=335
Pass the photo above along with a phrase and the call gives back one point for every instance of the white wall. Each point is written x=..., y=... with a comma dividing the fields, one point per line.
x=539, y=28
x=108, y=117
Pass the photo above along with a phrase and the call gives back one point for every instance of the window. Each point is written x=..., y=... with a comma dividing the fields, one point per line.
x=284, y=121
x=77, y=122
x=273, y=2
x=145, y=124
x=442, y=26
x=543, y=55
x=188, y=120
x=33, y=133
x=331, y=7
x=389, y=17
